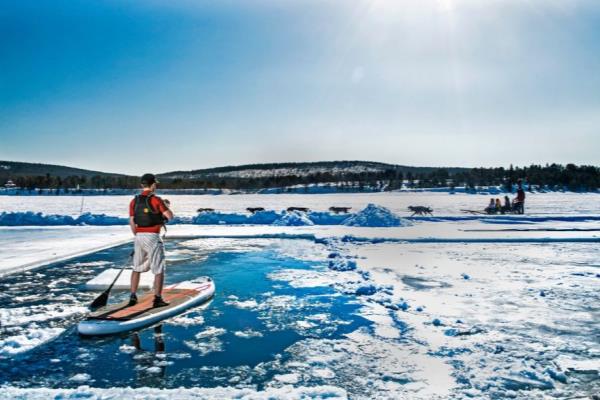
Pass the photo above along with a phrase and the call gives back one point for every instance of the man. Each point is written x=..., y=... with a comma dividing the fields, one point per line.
x=147, y=215
x=519, y=202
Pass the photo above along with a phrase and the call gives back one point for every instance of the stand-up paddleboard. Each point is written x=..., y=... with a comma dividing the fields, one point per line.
x=119, y=317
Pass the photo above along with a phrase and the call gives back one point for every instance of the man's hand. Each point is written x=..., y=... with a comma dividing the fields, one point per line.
x=168, y=214
x=132, y=225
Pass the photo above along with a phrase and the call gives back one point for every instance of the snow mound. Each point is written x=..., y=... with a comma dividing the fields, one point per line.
x=375, y=216
x=294, y=218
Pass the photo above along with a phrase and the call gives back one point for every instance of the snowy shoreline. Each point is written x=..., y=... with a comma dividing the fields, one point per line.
x=284, y=393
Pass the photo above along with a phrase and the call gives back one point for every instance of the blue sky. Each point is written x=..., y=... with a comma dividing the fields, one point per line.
x=131, y=86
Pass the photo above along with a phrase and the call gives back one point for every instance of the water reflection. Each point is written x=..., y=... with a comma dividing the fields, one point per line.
x=150, y=365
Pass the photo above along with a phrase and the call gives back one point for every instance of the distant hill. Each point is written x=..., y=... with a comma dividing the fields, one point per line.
x=13, y=169
x=327, y=176
x=334, y=168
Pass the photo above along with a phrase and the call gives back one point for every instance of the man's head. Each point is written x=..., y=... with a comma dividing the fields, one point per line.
x=148, y=181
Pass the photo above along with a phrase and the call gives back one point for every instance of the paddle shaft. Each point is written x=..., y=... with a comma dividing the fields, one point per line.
x=119, y=274
x=101, y=300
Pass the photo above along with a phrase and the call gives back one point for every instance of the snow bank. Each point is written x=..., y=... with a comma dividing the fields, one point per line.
x=85, y=392
x=372, y=216
x=375, y=216
x=39, y=219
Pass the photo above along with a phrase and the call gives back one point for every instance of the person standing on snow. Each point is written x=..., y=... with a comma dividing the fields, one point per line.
x=147, y=215
x=519, y=201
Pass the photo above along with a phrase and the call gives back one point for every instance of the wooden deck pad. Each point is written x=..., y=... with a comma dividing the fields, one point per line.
x=121, y=312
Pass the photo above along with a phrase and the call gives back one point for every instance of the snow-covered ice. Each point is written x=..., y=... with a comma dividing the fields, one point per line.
x=104, y=279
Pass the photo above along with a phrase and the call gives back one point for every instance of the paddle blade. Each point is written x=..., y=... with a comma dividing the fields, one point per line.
x=100, y=301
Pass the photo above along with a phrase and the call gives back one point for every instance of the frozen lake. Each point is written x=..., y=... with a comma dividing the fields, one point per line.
x=504, y=307
x=186, y=205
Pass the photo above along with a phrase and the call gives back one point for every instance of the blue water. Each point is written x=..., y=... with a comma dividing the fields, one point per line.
x=161, y=355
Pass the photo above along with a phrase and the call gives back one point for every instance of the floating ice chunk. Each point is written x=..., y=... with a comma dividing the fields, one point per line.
x=127, y=349
x=305, y=324
x=80, y=378
x=589, y=365
x=210, y=331
x=556, y=375
x=247, y=334
x=323, y=373
x=179, y=356
x=205, y=347
x=25, y=315
x=247, y=304
x=525, y=380
x=106, y=277
x=287, y=378
x=341, y=264
x=301, y=278
x=92, y=264
x=185, y=320
x=28, y=340
x=366, y=290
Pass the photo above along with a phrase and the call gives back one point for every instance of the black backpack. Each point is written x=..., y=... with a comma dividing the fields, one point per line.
x=143, y=213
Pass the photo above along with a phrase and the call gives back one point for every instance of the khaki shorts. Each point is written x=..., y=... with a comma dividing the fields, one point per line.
x=149, y=253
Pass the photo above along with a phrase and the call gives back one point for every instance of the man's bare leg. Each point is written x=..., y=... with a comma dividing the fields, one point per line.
x=135, y=281
x=158, y=283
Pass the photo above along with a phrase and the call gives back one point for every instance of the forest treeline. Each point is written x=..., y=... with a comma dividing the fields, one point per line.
x=550, y=176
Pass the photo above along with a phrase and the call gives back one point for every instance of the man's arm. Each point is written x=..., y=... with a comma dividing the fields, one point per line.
x=166, y=211
x=168, y=214
x=132, y=225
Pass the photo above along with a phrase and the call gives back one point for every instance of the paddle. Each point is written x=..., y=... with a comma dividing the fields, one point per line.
x=101, y=300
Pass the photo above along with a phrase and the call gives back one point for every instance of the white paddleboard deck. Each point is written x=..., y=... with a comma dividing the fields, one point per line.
x=117, y=318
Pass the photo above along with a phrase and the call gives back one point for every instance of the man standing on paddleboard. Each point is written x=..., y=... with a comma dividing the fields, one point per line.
x=147, y=214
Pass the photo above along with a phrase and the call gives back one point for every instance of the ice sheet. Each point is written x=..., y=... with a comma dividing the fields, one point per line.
x=106, y=277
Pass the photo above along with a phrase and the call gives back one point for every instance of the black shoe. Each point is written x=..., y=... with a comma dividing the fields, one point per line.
x=159, y=302
x=132, y=300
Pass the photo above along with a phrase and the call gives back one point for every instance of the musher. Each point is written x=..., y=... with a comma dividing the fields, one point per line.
x=519, y=201
x=147, y=215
